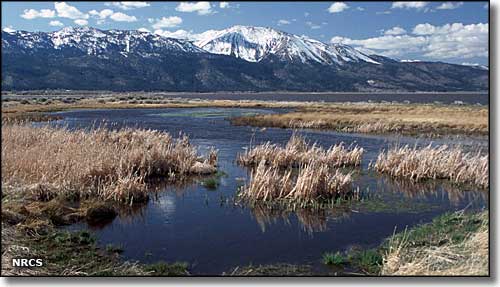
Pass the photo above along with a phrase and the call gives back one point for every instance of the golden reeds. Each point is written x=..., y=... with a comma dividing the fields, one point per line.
x=441, y=162
x=298, y=152
x=315, y=182
x=98, y=163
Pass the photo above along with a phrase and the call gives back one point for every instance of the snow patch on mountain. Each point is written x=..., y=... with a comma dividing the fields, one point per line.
x=254, y=44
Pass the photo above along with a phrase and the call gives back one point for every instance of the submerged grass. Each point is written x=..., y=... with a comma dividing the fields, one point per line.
x=441, y=162
x=298, y=152
x=105, y=164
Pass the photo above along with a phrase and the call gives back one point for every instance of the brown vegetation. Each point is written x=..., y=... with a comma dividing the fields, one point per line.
x=298, y=152
x=435, y=250
x=408, y=119
x=441, y=162
x=110, y=165
x=315, y=182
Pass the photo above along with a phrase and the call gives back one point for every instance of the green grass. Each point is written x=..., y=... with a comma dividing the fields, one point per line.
x=210, y=183
x=333, y=258
x=444, y=229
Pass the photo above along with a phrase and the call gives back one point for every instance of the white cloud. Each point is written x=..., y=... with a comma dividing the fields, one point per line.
x=32, y=14
x=387, y=12
x=81, y=22
x=56, y=23
x=306, y=14
x=179, y=34
x=128, y=5
x=337, y=7
x=312, y=25
x=142, y=29
x=223, y=5
x=121, y=17
x=103, y=14
x=67, y=11
x=408, y=5
x=202, y=8
x=449, y=5
x=283, y=22
x=165, y=22
x=436, y=42
x=395, y=31
x=360, y=8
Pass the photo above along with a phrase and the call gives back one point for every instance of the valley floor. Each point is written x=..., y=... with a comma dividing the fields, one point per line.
x=363, y=117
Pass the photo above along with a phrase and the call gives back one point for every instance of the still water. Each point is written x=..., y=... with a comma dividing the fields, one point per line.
x=206, y=229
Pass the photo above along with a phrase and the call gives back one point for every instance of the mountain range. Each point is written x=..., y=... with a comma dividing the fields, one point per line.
x=240, y=58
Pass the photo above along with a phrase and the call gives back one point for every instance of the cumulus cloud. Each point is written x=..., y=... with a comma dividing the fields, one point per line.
x=337, y=7
x=103, y=14
x=449, y=5
x=67, y=11
x=56, y=23
x=409, y=5
x=179, y=34
x=128, y=5
x=32, y=14
x=165, y=22
x=202, y=8
x=223, y=5
x=81, y=22
x=395, y=31
x=121, y=17
x=436, y=42
x=283, y=22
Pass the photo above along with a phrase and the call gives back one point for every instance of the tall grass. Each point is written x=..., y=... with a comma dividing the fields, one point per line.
x=99, y=163
x=298, y=152
x=441, y=162
x=315, y=182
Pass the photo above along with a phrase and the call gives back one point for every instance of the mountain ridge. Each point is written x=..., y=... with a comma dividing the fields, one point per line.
x=239, y=58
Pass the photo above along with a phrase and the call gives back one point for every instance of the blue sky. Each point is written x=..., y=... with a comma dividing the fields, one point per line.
x=439, y=31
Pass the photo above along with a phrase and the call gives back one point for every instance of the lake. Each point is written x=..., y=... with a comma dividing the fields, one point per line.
x=205, y=228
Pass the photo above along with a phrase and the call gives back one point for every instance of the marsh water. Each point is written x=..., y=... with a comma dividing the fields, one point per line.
x=205, y=228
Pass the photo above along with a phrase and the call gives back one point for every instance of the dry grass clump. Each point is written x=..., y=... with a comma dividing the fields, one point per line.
x=315, y=182
x=298, y=152
x=467, y=257
x=100, y=163
x=441, y=162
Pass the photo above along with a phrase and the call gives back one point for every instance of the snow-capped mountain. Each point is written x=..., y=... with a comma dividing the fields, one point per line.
x=257, y=43
x=240, y=58
x=97, y=42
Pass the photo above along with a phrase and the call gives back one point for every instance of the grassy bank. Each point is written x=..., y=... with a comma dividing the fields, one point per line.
x=406, y=119
x=453, y=244
x=72, y=254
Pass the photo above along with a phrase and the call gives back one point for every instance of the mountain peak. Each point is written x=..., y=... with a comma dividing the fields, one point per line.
x=255, y=44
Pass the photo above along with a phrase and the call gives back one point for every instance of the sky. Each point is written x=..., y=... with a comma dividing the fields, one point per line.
x=455, y=32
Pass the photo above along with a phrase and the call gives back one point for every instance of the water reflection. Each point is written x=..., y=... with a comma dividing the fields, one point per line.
x=310, y=220
x=428, y=190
